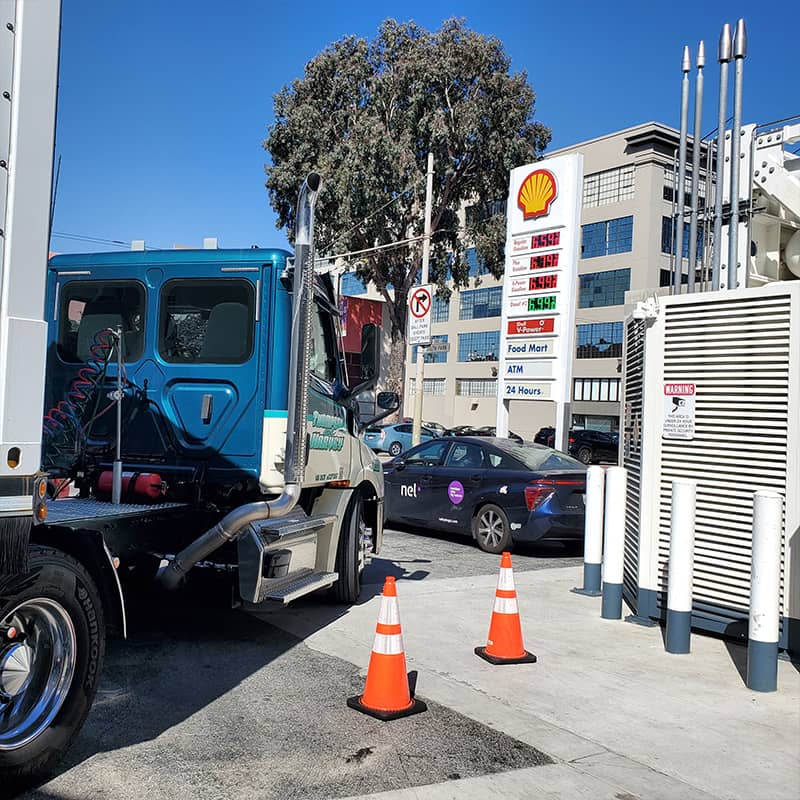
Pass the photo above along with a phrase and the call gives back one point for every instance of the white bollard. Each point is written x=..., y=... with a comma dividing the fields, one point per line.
x=614, y=542
x=681, y=566
x=593, y=531
x=765, y=580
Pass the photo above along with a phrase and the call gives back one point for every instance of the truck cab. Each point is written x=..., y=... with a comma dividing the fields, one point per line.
x=205, y=370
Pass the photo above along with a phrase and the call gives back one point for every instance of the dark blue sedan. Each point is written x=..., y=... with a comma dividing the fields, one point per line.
x=496, y=490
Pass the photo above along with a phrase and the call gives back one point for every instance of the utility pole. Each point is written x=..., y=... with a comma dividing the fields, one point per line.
x=426, y=254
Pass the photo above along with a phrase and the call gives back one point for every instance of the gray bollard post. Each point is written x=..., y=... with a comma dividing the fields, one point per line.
x=593, y=532
x=614, y=542
x=681, y=565
x=765, y=580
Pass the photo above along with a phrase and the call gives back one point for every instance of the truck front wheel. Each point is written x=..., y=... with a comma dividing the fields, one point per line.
x=349, y=557
x=52, y=643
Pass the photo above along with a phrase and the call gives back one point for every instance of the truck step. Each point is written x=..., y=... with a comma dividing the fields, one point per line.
x=279, y=559
x=296, y=585
x=279, y=531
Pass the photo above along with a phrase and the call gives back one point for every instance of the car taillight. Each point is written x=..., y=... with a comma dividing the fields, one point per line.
x=572, y=440
x=537, y=493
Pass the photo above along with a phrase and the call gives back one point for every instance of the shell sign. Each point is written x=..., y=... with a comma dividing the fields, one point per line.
x=536, y=194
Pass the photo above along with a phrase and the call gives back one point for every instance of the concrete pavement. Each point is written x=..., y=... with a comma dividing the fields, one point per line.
x=621, y=718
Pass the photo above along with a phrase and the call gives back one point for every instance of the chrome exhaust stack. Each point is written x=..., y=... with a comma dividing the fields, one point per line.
x=233, y=524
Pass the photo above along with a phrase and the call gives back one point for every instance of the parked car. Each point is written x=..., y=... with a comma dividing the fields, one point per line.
x=486, y=430
x=496, y=490
x=394, y=439
x=545, y=436
x=590, y=447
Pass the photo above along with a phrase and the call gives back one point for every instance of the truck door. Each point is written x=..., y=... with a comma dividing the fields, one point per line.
x=205, y=375
x=330, y=441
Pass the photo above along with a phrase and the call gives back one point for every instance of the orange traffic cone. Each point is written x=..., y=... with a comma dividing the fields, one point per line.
x=386, y=693
x=504, y=645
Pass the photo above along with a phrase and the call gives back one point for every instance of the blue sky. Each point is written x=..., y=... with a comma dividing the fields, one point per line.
x=163, y=105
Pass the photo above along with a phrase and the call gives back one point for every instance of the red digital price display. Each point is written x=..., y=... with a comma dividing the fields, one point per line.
x=544, y=261
x=538, y=283
x=539, y=240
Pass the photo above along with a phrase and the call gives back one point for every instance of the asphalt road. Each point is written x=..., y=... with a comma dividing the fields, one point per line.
x=207, y=702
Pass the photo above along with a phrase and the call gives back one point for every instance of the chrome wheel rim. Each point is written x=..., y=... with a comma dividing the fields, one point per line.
x=36, y=670
x=491, y=528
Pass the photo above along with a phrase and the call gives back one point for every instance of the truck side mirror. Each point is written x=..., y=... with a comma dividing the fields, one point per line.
x=370, y=353
x=388, y=401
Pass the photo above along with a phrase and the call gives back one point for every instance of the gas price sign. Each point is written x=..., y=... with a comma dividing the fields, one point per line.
x=542, y=244
x=543, y=283
x=539, y=303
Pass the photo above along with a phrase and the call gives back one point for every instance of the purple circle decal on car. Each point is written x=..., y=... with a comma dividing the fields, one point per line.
x=455, y=491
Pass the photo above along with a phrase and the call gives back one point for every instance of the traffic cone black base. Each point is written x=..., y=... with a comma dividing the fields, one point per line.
x=415, y=708
x=528, y=658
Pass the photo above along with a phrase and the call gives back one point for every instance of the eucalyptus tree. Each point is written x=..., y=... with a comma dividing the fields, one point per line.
x=365, y=115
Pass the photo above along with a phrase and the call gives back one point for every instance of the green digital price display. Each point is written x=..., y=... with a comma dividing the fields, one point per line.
x=546, y=302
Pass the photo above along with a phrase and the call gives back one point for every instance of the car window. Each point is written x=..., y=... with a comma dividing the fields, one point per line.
x=466, y=456
x=429, y=455
x=501, y=461
x=537, y=457
x=403, y=428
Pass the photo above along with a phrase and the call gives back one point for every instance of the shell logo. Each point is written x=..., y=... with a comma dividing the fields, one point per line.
x=536, y=194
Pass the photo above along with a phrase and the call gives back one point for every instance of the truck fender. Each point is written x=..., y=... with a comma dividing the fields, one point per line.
x=89, y=548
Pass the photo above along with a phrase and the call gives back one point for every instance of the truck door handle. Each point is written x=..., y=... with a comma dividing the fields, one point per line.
x=206, y=409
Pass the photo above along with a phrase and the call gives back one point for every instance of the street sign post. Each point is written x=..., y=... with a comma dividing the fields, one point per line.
x=537, y=335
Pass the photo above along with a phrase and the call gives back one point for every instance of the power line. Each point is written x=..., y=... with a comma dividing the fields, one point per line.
x=378, y=211
x=83, y=238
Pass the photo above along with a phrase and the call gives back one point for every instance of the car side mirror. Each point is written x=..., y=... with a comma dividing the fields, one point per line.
x=399, y=463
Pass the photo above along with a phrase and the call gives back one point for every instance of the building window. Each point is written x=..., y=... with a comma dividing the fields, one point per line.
x=431, y=358
x=604, y=288
x=481, y=303
x=600, y=340
x=476, y=267
x=670, y=178
x=607, y=238
x=481, y=346
x=351, y=286
x=595, y=422
x=430, y=386
x=441, y=310
x=611, y=186
x=476, y=387
x=665, y=278
x=598, y=389
x=668, y=231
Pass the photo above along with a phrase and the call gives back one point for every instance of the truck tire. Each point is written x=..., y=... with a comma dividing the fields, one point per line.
x=348, y=552
x=57, y=608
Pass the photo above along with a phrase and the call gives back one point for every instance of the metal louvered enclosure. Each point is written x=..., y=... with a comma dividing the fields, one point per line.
x=741, y=352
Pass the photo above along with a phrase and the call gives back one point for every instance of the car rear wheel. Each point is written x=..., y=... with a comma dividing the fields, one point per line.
x=584, y=454
x=491, y=529
x=395, y=448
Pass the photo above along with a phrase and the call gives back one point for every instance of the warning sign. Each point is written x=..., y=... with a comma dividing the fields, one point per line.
x=679, y=405
x=420, y=302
